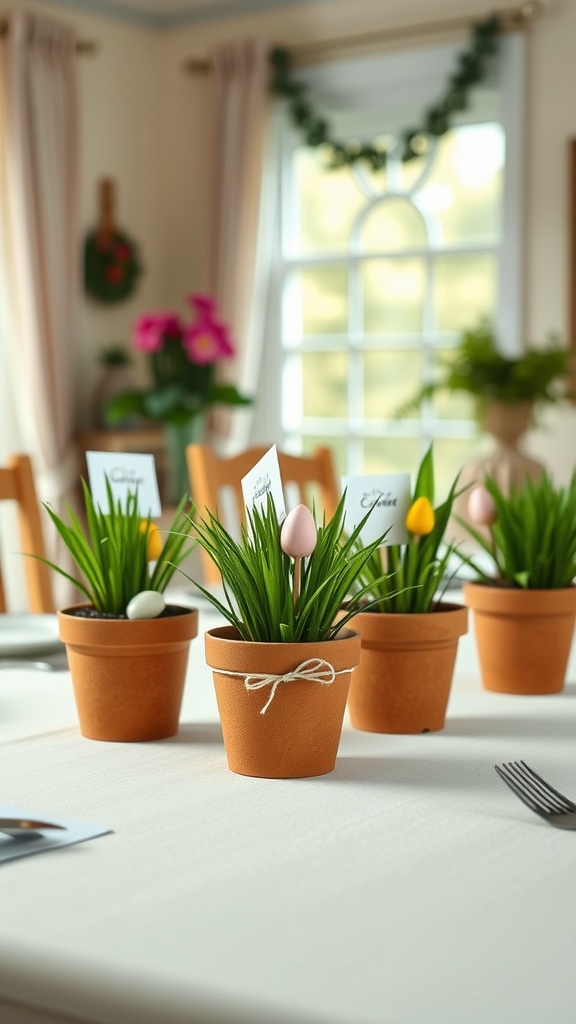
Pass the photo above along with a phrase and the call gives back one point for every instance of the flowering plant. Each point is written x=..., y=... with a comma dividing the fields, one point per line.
x=415, y=570
x=183, y=359
x=531, y=538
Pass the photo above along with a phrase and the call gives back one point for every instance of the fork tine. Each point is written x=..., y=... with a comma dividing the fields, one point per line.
x=516, y=789
x=545, y=800
x=565, y=803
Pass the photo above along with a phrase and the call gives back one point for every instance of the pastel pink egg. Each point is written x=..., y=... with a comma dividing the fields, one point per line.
x=298, y=533
x=481, y=507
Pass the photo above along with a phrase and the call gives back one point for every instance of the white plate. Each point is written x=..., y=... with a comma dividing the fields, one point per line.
x=24, y=635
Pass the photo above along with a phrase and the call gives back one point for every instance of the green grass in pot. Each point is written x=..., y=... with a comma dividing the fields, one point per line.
x=531, y=533
x=418, y=571
x=118, y=553
x=262, y=599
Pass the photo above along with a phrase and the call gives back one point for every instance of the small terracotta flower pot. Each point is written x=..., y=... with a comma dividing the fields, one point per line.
x=523, y=637
x=298, y=734
x=403, y=681
x=128, y=676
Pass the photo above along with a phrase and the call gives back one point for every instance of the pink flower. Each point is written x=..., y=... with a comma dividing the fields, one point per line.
x=204, y=304
x=207, y=343
x=206, y=340
x=151, y=329
x=481, y=507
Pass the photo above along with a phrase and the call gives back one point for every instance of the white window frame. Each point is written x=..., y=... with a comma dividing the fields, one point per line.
x=415, y=76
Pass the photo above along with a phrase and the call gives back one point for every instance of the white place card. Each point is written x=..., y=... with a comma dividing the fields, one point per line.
x=264, y=479
x=390, y=494
x=127, y=472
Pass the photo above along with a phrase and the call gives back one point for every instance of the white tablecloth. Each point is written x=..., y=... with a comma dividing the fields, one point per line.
x=407, y=887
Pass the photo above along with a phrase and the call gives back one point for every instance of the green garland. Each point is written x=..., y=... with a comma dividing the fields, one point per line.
x=111, y=266
x=471, y=70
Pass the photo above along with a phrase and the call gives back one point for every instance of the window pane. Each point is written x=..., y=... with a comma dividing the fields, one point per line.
x=329, y=202
x=393, y=295
x=395, y=455
x=394, y=224
x=325, y=382
x=449, y=457
x=336, y=444
x=464, y=290
x=388, y=379
x=324, y=300
x=463, y=194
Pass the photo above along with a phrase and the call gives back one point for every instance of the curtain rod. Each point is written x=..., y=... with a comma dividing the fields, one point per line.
x=511, y=19
x=84, y=47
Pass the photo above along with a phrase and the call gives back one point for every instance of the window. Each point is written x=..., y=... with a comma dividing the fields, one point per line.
x=378, y=273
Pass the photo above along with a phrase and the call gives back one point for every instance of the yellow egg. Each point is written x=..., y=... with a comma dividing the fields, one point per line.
x=155, y=543
x=420, y=518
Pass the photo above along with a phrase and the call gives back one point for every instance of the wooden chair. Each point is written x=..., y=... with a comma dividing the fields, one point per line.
x=213, y=478
x=17, y=485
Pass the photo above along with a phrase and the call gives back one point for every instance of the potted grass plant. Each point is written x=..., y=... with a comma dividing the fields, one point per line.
x=127, y=649
x=282, y=665
x=409, y=633
x=524, y=600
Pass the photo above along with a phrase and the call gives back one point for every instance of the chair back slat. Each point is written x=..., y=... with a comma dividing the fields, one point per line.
x=17, y=486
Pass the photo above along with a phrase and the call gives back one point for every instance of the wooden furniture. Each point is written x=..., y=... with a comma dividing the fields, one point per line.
x=308, y=478
x=17, y=485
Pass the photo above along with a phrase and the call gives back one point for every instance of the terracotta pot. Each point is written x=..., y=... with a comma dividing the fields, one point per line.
x=523, y=637
x=403, y=682
x=298, y=734
x=128, y=676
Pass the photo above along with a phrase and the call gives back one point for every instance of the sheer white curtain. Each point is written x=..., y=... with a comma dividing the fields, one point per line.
x=39, y=243
x=240, y=102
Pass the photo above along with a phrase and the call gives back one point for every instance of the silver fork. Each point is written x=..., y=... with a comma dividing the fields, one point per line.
x=538, y=794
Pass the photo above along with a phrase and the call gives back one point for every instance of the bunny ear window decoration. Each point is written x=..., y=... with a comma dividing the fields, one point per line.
x=111, y=263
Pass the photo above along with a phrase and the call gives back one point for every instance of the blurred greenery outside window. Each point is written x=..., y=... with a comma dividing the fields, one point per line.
x=379, y=271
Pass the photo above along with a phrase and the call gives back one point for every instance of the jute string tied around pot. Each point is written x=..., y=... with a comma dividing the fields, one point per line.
x=315, y=670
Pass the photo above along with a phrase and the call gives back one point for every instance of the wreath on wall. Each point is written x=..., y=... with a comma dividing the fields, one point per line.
x=111, y=266
x=111, y=262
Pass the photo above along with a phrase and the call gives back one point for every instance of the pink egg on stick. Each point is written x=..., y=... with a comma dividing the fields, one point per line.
x=298, y=540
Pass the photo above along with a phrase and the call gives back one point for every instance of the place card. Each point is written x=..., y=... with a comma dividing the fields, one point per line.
x=390, y=494
x=126, y=471
x=13, y=847
x=264, y=479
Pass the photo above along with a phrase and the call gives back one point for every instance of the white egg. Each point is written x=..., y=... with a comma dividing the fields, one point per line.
x=148, y=604
x=298, y=534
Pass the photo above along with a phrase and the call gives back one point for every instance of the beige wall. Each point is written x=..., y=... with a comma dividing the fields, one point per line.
x=145, y=124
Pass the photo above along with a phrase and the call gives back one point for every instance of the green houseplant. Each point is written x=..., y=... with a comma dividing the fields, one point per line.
x=409, y=633
x=508, y=394
x=127, y=649
x=524, y=605
x=476, y=367
x=283, y=587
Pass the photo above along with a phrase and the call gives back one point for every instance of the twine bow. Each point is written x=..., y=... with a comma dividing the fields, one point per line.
x=314, y=670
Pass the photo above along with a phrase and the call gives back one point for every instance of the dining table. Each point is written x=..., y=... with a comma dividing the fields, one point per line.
x=407, y=886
